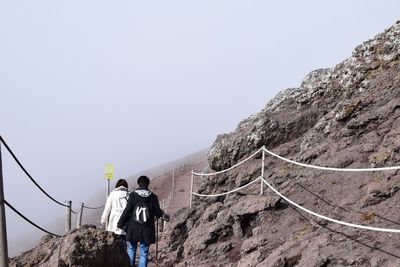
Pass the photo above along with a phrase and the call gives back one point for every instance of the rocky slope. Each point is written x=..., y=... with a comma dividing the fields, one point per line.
x=347, y=116
x=87, y=246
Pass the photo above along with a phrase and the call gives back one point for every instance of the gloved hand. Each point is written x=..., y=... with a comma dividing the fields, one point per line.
x=166, y=217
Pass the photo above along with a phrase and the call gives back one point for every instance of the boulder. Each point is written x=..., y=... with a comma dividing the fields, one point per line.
x=87, y=246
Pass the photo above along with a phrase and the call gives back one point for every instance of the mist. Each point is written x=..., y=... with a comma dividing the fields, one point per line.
x=140, y=83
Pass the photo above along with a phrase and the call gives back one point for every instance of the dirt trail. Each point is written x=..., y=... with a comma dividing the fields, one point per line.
x=162, y=186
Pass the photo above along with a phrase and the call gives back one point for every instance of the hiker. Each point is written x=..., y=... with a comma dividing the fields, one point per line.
x=139, y=215
x=115, y=205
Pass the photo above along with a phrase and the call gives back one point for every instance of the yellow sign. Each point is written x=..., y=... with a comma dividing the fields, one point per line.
x=108, y=171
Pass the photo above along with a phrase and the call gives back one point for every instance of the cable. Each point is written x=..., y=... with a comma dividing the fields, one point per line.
x=26, y=219
x=27, y=173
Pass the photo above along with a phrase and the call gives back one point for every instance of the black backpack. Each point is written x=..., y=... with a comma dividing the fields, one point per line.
x=141, y=212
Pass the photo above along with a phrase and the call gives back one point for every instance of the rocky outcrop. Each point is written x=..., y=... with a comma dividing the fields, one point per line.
x=347, y=116
x=84, y=247
x=327, y=101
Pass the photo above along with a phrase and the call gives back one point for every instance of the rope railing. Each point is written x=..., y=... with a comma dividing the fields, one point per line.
x=229, y=192
x=68, y=207
x=331, y=168
x=230, y=168
x=328, y=218
x=93, y=208
x=28, y=174
x=26, y=219
x=263, y=181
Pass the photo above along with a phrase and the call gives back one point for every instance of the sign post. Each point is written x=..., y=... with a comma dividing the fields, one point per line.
x=108, y=175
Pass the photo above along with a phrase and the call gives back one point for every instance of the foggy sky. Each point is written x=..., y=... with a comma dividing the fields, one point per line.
x=140, y=83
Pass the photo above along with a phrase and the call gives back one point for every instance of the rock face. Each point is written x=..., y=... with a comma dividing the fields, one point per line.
x=347, y=116
x=84, y=247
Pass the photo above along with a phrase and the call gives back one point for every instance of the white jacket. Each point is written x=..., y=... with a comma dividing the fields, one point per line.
x=115, y=205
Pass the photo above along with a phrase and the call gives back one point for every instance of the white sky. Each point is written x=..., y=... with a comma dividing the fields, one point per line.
x=140, y=83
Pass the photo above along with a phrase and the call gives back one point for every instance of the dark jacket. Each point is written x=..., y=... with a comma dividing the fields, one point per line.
x=138, y=232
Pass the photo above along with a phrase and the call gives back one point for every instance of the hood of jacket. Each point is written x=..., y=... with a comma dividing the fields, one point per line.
x=120, y=192
x=143, y=192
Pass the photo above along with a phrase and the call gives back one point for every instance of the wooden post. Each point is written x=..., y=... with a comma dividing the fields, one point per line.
x=191, y=190
x=262, y=171
x=68, y=215
x=173, y=182
x=79, y=221
x=156, y=260
x=3, y=228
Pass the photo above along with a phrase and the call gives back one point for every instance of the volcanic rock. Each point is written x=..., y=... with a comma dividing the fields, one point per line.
x=347, y=116
x=86, y=247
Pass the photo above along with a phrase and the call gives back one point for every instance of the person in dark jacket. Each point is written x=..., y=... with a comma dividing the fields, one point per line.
x=138, y=216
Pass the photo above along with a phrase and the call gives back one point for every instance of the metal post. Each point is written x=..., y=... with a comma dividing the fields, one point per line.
x=108, y=188
x=191, y=190
x=3, y=228
x=68, y=215
x=262, y=171
x=79, y=221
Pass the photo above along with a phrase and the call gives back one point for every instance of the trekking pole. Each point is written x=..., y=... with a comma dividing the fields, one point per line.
x=157, y=242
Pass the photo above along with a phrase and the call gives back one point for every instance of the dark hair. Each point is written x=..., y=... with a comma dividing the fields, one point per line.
x=143, y=181
x=121, y=182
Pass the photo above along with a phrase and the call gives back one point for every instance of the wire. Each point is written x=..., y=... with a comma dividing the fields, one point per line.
x=26, y=219
x=27, y=173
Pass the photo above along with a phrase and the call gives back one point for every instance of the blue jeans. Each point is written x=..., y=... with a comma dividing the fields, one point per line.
x=144, y=252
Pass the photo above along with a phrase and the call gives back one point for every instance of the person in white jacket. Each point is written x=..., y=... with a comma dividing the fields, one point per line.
x=115, y=205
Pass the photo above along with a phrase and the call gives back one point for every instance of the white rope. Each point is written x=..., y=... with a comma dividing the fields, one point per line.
x=330, y=219
x=230, y=168
x=330, y=168
x=226, y=193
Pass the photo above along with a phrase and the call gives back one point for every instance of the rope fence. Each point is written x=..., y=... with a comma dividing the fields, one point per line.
x=230, y=168
x=29, y=221
x=229, y=192
x=28, y=174
x=263, y=181
x=166, y=202
x=331, y=168
x=91, y=208
x=328, y=218
x=68, y=207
